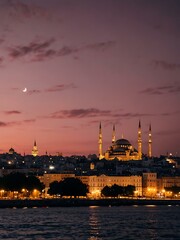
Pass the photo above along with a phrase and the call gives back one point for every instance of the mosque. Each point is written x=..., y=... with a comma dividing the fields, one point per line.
x=122, y=149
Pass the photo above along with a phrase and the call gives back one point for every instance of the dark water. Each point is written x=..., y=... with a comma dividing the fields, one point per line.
x=92, y=223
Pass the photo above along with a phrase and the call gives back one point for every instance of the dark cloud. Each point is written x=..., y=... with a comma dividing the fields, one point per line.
x=1, y=60
x=162, y=90
x=166, y=114
x=40, y=51
x=47, y=54
x=132, y=115
x=10, y=124
x=29, y=121
x=34, y=91
x=80, y=113
x=12, y=112
x=94, y=112
x=3, y=124
x=34, y=48
x=60, y=87
x=165, y=65
x=16, y=123
x=100, y=46
x=67, y=51
x=20, y=10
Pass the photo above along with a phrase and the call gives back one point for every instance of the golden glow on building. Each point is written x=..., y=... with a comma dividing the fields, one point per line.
x=139, y=141
x=150, y=143
x=100, y=142
x=113, y=135
x=122, y=149
x=35, y=150
x=97, y=183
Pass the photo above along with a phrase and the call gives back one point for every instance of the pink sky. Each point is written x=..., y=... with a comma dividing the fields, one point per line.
x=87, y=61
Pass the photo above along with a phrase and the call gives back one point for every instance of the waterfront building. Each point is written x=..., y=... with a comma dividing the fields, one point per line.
x=149, y=185
x=167, y=182
x=97, y=183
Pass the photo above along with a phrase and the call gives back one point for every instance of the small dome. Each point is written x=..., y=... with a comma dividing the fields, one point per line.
x=11, y=151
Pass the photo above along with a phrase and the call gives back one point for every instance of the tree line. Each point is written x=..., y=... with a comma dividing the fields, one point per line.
x=75, y=187
x=19, y=181
x=116, y=190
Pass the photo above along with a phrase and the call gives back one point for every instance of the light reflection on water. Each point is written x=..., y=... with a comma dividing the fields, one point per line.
x=93, y=223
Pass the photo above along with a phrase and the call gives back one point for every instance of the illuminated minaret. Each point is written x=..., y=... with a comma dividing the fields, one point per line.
x=113, y=135
x=100, y=142
x=139, y=141
x=150, y=143
x=35, y=150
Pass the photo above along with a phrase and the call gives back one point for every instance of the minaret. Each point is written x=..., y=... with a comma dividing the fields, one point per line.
x=35, y=150
x=113, y=135
x=150, y=143
x=100, y=142
x=139, y=141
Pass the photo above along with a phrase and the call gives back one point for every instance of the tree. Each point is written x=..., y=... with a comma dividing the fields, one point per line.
x=15, y=181
x=106, y=191
x=129, y=190
x=68, y=187
x=32, y=183
x=73, y=187
x=116, y=190
x=54, y=188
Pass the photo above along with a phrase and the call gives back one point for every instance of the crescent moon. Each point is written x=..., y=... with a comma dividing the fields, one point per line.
x=25, y=90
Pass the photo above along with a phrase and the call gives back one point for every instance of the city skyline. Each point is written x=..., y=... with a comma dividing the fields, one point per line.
x=66, y=66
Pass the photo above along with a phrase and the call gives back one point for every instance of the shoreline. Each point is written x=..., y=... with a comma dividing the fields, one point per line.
x=75, y=202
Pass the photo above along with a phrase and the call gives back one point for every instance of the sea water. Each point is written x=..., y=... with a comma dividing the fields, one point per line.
x=91, y=223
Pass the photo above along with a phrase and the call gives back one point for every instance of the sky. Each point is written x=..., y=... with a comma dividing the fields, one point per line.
x=84, y=62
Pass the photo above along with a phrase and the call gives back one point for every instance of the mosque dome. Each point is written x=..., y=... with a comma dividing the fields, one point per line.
x=122, y=142
x=121, y=145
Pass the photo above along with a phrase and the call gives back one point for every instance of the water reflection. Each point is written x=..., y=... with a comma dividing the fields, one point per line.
x=94, y=224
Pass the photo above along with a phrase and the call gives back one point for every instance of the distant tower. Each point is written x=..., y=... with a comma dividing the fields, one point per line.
x=100, y=142
x=139, y=141
x=150, y=143
x=113, y=135
x=35, y=150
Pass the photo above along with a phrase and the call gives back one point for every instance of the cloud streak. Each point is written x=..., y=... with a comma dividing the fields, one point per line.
x=94, y=112
x=100, y=46
x=16, y=112
x=20, y=11
x=32, y=48
x=1, y=60
x=37, y=51
x=80, y=113
x=16, y=123
x=60, y=87
x=161, y=90
x=52, y=89
x=165, y=65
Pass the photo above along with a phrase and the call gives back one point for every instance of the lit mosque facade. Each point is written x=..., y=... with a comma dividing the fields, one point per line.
x=122, y=149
